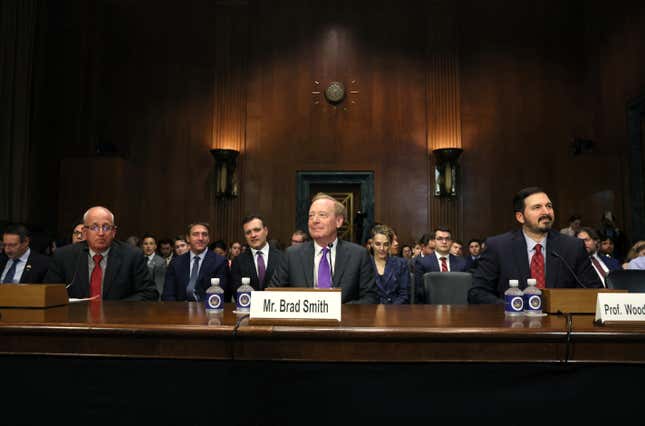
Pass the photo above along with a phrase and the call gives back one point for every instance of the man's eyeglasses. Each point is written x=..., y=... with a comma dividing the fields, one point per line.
x=97, y=228
x=443, y=239
x=77, y=233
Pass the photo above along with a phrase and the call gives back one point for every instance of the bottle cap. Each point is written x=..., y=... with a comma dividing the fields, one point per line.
x=246, y=280
x=513, y=283
x=214, y=281
x=531, y=281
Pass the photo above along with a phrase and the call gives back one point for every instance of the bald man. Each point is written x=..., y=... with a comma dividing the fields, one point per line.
x=100, y=267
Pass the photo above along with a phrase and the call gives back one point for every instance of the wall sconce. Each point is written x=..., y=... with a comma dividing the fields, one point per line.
x=226, y=183
x=445, y=171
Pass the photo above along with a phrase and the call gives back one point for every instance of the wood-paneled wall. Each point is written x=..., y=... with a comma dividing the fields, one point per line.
x=511, y=83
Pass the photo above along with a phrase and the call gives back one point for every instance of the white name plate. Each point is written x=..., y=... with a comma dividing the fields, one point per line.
x=308, y=305
x=620, y=307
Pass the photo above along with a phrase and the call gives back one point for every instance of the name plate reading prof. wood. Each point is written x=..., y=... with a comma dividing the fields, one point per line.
x=296, y=305
x=620, y=308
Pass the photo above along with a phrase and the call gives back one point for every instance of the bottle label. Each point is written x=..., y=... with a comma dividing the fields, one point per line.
x=514, y=303
x=214, y=301
x=243, y=300
x=533, y=302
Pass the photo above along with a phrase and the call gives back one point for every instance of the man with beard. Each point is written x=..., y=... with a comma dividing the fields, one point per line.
x=534, y=251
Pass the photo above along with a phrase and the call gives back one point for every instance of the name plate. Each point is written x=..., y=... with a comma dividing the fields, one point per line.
x=296, y=305
x=620, y=308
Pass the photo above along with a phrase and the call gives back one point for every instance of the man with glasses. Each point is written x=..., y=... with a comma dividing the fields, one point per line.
x=439, y=261
x=20, y=264
x=77, y=233
x=100, y=267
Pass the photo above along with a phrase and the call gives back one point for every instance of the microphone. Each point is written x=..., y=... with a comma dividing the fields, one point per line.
x=78, y=261
x=331, y=271
x=556, y=254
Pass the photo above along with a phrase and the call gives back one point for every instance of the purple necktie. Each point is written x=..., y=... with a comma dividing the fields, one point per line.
x=261, y=269
x=324, y=274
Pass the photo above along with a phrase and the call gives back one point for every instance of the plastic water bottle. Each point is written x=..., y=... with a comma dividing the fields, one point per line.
x=513, y=300
x=214, y=302
x=243, y=296
x=532, y=298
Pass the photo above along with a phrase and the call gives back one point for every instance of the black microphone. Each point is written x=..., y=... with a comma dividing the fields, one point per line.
x=331, y=271
x=556, y=254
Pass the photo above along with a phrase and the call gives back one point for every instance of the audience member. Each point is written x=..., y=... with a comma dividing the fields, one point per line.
x=574, y=226
x=474, y=251
x=328, y=261
x=181, y=245
x=189, y=275
x=219, y=247
x=609, y=229
x=235, y=250
x=395, y=247
x=406, y=252
x=134, y=241
x=441, y=260
x=21, y=264
x=601, y=264
x=77, y=234
x=166, y=250
x=455, y=248
x=534, y=251
x=260, y=261
x=636, y=256
x=83, y=266
x=392, y=273
x=156, y=264
x=298, y=237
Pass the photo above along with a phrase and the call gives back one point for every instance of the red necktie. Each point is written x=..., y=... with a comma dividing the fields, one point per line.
x=599, y=268
x=97, y=274
x=537, y=266
x=444, y=264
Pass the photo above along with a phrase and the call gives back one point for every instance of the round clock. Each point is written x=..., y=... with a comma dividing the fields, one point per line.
x=335, y=92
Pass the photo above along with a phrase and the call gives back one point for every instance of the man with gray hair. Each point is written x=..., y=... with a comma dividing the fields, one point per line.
x=327, y=261
x=100, y=267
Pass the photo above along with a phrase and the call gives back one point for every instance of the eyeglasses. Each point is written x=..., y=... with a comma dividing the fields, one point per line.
x=77, y=233
x=443, y=239
x=97, y=228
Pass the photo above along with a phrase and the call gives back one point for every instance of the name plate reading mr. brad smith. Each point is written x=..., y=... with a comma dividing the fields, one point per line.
x=620, y=307
x=309, y=305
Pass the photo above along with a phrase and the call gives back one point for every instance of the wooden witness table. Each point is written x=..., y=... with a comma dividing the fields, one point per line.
x=383, y=362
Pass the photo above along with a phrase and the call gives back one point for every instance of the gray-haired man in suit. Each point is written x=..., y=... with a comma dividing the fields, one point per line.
x=328, y=261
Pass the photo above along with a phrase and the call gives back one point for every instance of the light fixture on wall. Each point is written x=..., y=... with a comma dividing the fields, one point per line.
x=226, y=183
x=445, y=171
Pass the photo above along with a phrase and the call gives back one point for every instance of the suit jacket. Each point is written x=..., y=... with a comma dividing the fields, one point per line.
x=506, y=258
x=157, y=268
x=611, y=263
x=430, y=263
x=178, y=275
x=126, y=274
x=244, y=266
x=393, y=286
x=470, y=263
x=353, y=271
x=35, y=269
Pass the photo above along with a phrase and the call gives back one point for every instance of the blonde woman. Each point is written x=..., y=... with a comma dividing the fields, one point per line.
x=392, y=273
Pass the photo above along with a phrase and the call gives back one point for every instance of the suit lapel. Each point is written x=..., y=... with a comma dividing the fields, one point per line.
x=250, y=264
x=434, y=262
x=308, y=263
x=551, y=271
x=342, y=257
x=111, y=269
x=520, y=256
x=26, y=272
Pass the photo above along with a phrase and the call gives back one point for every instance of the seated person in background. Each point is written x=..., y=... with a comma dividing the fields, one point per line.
x=474, y=251
x=134, y=241
x=601, y=264
x=77, y=234
x=534, y=251
x=260, y=260
x=156, y=264
x=101, y=267
x=574, y=226
x=406, y=252
x=395, y=247
x=298, y=237
x=328, y=261
x=455, y=248
x=166, y=250
x=20, y=264
x=439, y=261
x=606, y=247
x=181, y=245
x=235, y=250
x=189, y=275
x=219, y=247
x=392, y=273
x=636, y=256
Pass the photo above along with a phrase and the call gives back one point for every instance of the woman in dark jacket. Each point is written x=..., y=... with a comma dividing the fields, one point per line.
x=392, y=273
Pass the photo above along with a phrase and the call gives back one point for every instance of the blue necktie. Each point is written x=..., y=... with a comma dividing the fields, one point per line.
x=324, y=271
x=190, y=290
x=8, y=279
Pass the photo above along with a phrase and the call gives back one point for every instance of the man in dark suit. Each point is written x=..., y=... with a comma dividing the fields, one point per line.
x=20, y=264
x=474, y=251
x=601, y=264
x=100, y=267
x=441, y=260
x=260, y=260
x=189, y=275
x=534, y=251
x=328, y=261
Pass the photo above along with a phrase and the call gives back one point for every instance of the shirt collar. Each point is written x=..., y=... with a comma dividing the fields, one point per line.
x=201, y=255
x=530, y=244
x=104, y=253
x=264, y=250
x=318, y=248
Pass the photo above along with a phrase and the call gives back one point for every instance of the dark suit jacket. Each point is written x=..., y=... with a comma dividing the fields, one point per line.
x=244, y=266
x=470, y=263
x=178, y=275
x=353, y=271
x=611, y=263
x=126, y=274
x=506, y=258
x=430, y=263
x=394, y=286
x=35, y=269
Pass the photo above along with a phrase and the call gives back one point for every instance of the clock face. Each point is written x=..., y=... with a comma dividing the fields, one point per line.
x=335, y=92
